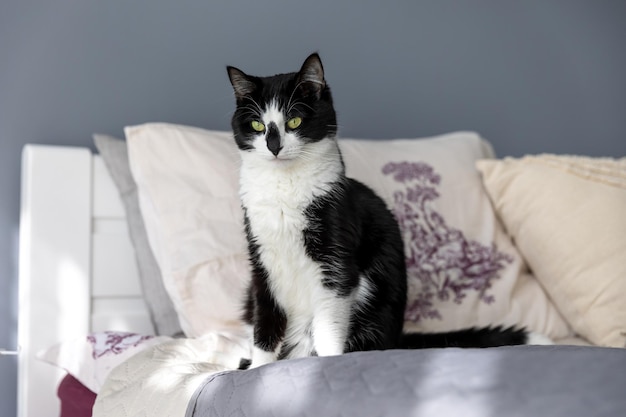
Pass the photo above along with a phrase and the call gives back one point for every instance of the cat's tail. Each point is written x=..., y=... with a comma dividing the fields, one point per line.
x=473, y=338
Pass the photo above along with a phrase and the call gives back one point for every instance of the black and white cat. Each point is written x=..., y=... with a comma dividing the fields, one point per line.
x=328, y=267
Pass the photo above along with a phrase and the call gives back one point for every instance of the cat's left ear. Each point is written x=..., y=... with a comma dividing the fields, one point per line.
x=242, y=84
x=311, y=76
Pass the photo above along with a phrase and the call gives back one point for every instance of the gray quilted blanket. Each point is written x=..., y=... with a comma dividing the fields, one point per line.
x=508, y=381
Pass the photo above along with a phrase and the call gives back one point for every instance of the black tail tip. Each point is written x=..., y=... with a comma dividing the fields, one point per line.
x=468, y=338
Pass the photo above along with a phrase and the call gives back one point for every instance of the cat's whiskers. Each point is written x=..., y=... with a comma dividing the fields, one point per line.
x=257, y=109
x=317, y=155
x=251, y=114
x=299, y=103
x=314, y=155
x=291, y=96
x=250, y=110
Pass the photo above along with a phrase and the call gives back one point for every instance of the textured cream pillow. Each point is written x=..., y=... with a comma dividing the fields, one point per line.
x=463, y=269
x=567, y=216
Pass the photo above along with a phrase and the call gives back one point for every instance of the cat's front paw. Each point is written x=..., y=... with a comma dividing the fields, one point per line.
x=260, y=357
x=244, y=364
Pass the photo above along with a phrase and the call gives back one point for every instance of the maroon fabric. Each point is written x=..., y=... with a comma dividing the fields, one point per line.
x=76, y=399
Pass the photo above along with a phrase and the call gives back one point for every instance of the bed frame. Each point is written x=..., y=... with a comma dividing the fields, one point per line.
x=77, y=271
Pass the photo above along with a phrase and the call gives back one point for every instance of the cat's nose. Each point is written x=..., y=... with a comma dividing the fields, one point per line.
x=273, y=139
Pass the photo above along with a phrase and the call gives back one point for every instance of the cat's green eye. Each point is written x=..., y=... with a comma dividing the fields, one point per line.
x=258, y=126
x=293, y=123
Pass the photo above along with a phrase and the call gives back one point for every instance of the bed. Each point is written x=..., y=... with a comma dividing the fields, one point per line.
x=89, y=320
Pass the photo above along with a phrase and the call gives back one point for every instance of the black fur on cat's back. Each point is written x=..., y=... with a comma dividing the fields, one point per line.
x=353, y=227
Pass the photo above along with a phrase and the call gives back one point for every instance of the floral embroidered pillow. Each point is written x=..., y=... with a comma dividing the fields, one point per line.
x=463, y=270
x=89, y=359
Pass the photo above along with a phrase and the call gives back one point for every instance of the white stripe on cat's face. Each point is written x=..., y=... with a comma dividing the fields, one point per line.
x=289, y=141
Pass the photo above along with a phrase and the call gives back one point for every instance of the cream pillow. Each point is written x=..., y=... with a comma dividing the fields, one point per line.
x=463, y=269
x=567, y=216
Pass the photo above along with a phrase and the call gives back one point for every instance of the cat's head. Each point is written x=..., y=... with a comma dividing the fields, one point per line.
x=281, y=117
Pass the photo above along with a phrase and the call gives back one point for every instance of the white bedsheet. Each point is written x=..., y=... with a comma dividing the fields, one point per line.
x=160, y=380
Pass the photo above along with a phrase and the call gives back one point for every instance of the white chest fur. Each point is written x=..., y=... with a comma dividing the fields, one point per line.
x=275, y=194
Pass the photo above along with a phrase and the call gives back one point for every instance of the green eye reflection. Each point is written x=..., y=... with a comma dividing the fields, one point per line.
x=294, y=122
x=258, y=126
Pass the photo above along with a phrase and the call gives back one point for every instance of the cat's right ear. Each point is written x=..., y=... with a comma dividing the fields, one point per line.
x=242, y=84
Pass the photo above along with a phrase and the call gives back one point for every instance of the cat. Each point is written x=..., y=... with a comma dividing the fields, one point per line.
x=326, y=254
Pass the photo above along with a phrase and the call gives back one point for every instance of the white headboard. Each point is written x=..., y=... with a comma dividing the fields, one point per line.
x=77, y=268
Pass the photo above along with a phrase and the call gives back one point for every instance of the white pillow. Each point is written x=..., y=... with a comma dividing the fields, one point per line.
x=463, y=270
x=187, y=180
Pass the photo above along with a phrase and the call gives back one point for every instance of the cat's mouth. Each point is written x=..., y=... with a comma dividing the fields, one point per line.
x=282, y=157
x=278, y=159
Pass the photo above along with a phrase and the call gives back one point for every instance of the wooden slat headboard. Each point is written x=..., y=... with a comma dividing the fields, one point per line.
x=77, y=268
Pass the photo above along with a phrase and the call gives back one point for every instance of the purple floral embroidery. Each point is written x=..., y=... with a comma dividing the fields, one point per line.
x=113, y=343
x=442, y=264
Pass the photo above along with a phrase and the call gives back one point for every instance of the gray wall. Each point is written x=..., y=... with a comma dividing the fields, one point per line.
x=531, y=76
